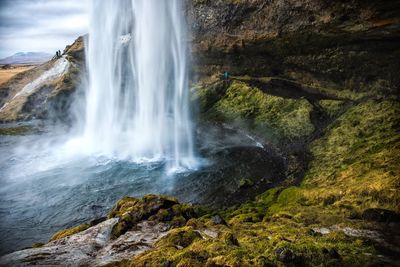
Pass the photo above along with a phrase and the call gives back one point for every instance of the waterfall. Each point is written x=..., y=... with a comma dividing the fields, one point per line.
x=137, y=100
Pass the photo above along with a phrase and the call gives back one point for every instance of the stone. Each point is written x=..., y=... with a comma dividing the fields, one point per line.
x=217, y=219
x=322, y=230
x=92, y=247
x=334, y=253
x=380, y=215
x=285, y=255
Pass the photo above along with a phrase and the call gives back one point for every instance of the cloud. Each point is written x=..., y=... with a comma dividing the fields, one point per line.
x=40, y=25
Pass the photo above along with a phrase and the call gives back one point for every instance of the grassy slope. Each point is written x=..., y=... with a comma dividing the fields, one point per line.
x=269, y=116
x=355, y=165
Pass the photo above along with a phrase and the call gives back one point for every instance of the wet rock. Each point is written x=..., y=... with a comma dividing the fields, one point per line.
x=285, y=255
x=92, y=247
x=151, y=207
x=296, y=40
x=321, y=231
x=354, y=215
x=312, y=232
x=206, y=233
x=334, y=253
x=97, y=221
x=380, y=215
x=219, y=182
x=217, y=219
x=245, y=183
x=374, y=235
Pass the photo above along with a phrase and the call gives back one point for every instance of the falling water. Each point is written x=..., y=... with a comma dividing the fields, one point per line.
x=137, y=103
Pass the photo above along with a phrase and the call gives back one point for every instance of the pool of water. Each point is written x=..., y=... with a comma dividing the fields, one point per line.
x=41, y=194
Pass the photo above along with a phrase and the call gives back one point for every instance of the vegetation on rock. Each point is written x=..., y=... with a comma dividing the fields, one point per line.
x=15, y=130
x=337, y=216
x=70, y=231
x=156, y=208
x=270, y=116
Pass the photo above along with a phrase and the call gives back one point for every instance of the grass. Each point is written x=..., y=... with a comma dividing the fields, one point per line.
x=20, y=130
x=7, y=74
x=354, y=166
x=70, y=231
x=270, y=116
x=344, y=94
x=358, y=158
x=256, y=242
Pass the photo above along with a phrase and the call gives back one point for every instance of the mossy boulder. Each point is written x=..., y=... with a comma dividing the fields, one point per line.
x=69, y=231
x=131, y=211
x=76, y=229
x=180, y=238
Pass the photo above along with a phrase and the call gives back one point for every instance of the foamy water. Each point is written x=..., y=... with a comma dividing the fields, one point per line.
x=137, y=102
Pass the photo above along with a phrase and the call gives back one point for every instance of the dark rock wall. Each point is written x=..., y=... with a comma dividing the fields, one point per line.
x=339, y=44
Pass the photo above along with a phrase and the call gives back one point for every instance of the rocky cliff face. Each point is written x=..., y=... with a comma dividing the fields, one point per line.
x=296, y=66
x=44, y=91
x=347, y=44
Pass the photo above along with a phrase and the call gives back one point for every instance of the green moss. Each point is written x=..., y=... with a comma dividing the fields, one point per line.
x=151, y=207
x=244, y=183
x=268, y=115
x=269, y=197
x=255, y=244
x=179, y=237
x=354, y=165
x=357, y=160
x=38, y=245
x=69, y=231
x=328, y=93
x=123, y=206
x=332, y=107
x=15, y=130
x=208, y=93
x=229, y=238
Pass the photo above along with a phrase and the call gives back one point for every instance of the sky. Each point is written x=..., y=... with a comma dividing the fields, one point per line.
x=41, y=25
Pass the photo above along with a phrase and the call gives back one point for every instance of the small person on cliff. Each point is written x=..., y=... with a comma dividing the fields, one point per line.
x=226, y=76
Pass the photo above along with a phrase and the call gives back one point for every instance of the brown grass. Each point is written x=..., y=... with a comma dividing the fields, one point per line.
x=6, y=74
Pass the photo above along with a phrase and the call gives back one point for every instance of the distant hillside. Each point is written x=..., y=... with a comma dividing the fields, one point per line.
x=26, y=58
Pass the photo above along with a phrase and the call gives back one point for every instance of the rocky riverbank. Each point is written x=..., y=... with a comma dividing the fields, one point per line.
x=281, y=227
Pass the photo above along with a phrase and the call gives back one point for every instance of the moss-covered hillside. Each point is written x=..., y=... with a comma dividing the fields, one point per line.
x=343, y=211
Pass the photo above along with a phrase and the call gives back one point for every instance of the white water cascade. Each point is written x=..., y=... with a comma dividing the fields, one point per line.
x=137, y=102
